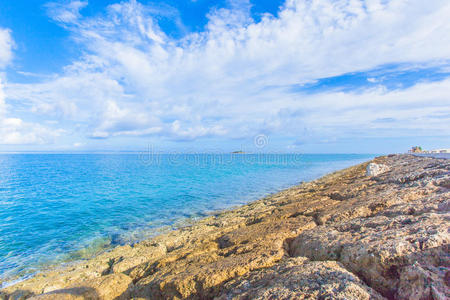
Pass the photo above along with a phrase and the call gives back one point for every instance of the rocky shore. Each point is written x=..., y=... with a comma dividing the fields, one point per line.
x=373, y=231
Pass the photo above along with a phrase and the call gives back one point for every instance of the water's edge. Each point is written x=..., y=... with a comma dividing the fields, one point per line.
x=99, y=247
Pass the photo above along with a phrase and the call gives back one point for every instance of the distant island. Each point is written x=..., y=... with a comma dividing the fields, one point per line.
x=238, y=152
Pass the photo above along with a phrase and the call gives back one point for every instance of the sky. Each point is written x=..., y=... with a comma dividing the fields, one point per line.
x=309, y=76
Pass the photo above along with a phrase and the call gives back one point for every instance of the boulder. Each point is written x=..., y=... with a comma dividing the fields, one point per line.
x=374, y=169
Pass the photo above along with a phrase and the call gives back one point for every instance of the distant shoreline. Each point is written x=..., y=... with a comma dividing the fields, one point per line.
x=433, y=155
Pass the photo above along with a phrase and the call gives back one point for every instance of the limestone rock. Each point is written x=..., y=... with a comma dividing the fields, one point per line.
x=374, y=169
x=401, y=252
x=114, y=286
x=299, y=278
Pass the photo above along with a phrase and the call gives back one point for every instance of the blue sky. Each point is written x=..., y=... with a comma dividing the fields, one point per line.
x=45, y=47
x=184, y=75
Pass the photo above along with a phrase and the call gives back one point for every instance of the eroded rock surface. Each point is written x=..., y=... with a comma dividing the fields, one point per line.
x=299, y=278
x=374, y=169
x=349, y=235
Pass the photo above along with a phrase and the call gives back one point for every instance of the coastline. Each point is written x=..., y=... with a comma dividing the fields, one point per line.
x=68, y=244
x=263, y=247
x=112, y=200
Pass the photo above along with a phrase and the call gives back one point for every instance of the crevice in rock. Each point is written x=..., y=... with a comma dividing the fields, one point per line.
x=109, y=270
x=296, y=214
x=224, y=242
x=173, y=248
x=254, y=221
x=149, y=270
x=287, y=247
x=316, y=218
x=339, y=196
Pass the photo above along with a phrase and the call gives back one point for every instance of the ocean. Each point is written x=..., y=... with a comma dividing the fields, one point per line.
x=57, y=208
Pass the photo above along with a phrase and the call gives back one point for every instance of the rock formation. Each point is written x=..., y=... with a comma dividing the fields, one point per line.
x=374, y=169
x=372, y=231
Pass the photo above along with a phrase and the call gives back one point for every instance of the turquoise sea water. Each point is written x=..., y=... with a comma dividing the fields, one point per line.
x=62, y=207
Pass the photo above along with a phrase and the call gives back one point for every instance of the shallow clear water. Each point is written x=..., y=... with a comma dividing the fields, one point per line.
x=60, y=207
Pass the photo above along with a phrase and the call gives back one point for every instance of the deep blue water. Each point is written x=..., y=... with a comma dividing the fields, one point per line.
x=60, y=207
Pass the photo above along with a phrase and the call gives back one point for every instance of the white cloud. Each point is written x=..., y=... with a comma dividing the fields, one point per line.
x=233, y=79
x=2, y=100
x=66, y=13
x=14, y=130
x=6, y=45
x=421, y=109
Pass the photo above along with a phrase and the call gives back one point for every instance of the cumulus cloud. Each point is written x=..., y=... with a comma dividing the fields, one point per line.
x=234, y=79
x=13, y=130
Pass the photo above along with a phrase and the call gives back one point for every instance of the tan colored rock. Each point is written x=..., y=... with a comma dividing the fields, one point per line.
x=299, y=278
x=233, y=254
x=114, y=286
x=389, y=248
